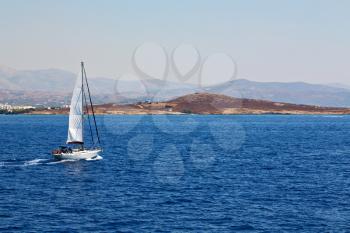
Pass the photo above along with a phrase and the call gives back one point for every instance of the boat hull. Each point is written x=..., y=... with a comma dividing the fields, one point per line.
x=78, y=155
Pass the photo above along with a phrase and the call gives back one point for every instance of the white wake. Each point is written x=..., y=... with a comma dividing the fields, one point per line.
x=95, y=158
x=36, y=162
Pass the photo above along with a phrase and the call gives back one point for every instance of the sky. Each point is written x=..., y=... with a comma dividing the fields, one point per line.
x=270, y=40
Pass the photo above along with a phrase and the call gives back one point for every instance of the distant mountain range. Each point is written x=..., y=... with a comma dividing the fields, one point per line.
x=54, y=87
x=297, y=93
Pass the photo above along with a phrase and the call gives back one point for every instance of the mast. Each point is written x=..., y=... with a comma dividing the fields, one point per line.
x=87, y=109
x=91, y=106
x=82, y=102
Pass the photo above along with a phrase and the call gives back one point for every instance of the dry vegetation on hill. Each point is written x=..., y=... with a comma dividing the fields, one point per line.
x=204, y=103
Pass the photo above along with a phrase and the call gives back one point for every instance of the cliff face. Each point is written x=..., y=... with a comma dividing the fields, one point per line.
x=204, y=103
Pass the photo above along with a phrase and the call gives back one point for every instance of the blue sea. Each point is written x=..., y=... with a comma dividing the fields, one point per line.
x=188, y=173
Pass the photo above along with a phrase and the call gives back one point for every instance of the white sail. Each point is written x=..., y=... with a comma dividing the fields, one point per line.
x=75, y=130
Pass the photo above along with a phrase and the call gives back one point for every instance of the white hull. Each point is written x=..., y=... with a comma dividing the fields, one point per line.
x=79, y=155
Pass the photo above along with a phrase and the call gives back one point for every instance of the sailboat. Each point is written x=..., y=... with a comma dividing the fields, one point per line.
x=81, y=111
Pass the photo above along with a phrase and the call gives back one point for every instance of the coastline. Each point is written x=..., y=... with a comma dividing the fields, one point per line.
x=201, y=104
x=204, y=114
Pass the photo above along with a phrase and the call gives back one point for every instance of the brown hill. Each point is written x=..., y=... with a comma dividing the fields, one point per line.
x=204, y=103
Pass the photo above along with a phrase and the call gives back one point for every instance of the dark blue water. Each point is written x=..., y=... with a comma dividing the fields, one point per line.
x=179, y=174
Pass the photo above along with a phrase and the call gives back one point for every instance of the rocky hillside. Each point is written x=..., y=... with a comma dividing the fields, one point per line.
x=205, y=103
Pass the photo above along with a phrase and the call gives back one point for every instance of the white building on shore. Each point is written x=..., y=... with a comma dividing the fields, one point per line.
x=10, y=108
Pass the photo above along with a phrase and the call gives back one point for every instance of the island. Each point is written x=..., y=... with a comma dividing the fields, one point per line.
x=203, y=103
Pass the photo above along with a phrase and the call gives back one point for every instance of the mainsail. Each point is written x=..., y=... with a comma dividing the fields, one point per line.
x=75, y=130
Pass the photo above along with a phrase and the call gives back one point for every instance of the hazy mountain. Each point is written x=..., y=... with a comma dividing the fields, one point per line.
x=54, y=86
x=54, y=80
x=339, y=85
x=5, y=74
x=297, y=93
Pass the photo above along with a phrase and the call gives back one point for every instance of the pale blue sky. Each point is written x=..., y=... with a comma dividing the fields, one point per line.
x=280, y=40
